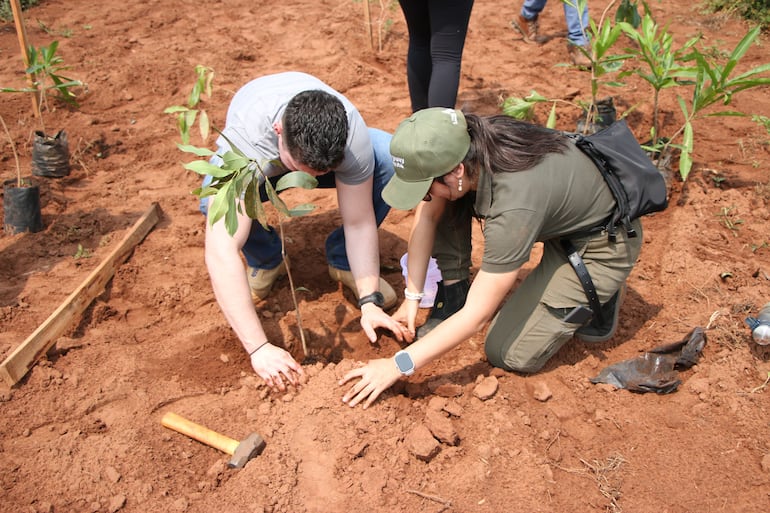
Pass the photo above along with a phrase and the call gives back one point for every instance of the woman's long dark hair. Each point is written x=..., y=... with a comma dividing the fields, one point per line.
x=501, y=143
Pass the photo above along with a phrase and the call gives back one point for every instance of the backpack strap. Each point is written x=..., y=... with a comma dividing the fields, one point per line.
x=621, y=213
x=576, y=261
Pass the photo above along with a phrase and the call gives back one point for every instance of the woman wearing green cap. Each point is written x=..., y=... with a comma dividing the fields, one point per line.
x=525, y=184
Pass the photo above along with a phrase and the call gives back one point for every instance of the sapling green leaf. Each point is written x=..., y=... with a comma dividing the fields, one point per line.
x=551, y=122
x=203, y=167
x=195, y=150
x=296, y=179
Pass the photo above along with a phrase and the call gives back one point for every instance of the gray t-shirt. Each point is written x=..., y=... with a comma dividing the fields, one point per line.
x=260, y=103
x=563, y=194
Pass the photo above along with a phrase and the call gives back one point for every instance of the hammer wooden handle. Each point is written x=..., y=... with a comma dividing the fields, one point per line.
x=200, y=433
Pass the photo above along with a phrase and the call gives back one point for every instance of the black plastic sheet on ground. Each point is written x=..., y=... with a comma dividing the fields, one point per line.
x=657, y=370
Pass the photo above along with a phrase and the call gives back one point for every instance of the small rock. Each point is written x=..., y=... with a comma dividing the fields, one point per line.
x=486, y=388
x=217, y=469
x=44, y=507
x=541, y=392
x=448, y=390
x=421, y=443
x=357, y=450
x=437, y=403
x=441, y=427
x=181, y=504
x=116, y=503
x=766, y=463
x=112, y=474
x=224, y=358
x=453, y=408
x=498, y=372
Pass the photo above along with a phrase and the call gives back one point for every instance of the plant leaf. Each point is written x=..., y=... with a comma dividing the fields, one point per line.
x=301, y=210
x=551, y=122
x=203, y=167
x=275, y=200
x=296, y=179
x=195, y=150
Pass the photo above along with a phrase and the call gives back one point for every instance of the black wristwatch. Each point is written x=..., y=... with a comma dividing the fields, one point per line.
x=375, y=297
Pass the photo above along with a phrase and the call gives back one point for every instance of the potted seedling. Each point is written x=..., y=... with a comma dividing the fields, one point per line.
x=602, y=36
x=50, y=153
x=597, y=113
x=236, y=182
x=21, y=198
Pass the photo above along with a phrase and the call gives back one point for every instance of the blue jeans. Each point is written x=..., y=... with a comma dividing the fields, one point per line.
x=575, y=34
x=263, y=247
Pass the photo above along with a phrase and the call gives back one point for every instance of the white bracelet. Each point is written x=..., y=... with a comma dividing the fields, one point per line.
x=413, y=296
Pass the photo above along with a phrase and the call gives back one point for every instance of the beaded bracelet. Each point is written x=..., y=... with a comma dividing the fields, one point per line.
x=260, y=346
x=413, y=296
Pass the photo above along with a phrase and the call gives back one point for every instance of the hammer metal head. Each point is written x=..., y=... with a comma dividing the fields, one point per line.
x=250, y=447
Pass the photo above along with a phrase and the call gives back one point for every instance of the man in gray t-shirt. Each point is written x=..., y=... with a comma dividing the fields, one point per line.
x=295, y=122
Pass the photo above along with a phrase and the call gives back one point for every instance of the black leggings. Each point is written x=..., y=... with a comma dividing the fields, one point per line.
x=437, y=30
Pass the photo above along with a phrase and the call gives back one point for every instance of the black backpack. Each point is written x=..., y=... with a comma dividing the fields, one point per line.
x=637, y=185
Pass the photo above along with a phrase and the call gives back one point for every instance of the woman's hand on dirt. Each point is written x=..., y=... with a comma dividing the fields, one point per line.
x=373, y=317
x=375, y=377
x=407, y=314
x=276, y=367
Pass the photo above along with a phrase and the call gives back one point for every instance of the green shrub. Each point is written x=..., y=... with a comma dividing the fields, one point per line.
x=5, y=8
x=753, y=10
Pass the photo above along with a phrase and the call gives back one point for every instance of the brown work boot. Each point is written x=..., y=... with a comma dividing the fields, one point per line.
x=346, y=278
x=528, y=28
x=577, y=56
x=261, y=280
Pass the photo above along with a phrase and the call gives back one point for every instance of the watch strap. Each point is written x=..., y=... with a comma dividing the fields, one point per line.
x=375, y=297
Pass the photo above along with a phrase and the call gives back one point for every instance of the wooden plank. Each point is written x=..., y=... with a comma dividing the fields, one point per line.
x=18, y=363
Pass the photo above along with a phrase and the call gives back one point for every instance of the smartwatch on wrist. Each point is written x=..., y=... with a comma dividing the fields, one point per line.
x=375, y=297
x=404, y=363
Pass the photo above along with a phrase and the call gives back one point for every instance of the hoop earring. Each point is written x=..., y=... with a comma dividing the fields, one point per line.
x=460, y=185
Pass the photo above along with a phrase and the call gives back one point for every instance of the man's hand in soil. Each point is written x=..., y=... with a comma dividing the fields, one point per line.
x=276, y=367
x=373, y=317
x=376, y=377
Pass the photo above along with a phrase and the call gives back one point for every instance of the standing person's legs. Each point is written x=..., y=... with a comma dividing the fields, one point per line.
x=577, y=24
x=418, y=59
x=528, y=330
x=531, y=9
x=449, y=26
x=527, y=21
x=336, y=254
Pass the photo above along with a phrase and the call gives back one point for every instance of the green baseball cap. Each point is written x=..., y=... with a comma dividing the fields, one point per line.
x=426, y=145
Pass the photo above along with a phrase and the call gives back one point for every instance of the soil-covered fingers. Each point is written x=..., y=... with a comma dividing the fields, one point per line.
x=375, y=377
x=407, y=314
x=373, y=319
x=276, y=367
x=368, y=392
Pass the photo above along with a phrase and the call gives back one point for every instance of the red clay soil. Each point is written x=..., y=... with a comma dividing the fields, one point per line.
x=82, y=431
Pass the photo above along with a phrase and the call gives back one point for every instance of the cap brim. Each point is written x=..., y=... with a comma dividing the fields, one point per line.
x=405, y=195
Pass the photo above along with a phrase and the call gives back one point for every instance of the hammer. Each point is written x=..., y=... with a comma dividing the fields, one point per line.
x=241, y=452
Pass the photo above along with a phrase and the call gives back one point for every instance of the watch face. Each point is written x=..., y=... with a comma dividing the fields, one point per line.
x=404, y=362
